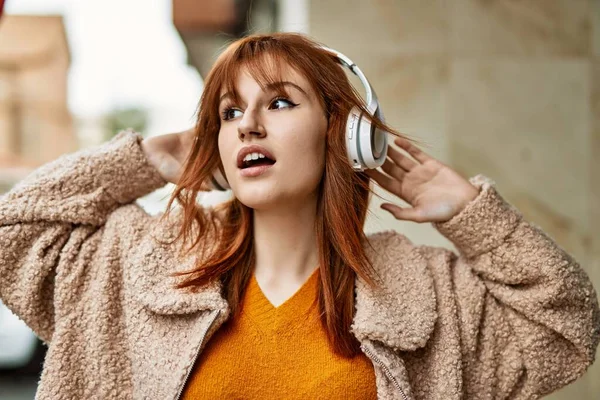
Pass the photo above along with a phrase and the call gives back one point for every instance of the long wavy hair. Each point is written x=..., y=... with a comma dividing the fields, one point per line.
x=343, y=193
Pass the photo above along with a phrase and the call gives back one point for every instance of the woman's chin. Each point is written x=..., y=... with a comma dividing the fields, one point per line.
x=258, y=204
x=256, y=198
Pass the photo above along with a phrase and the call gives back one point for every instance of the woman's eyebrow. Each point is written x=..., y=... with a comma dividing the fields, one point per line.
x=271, y=87
x=275, y=85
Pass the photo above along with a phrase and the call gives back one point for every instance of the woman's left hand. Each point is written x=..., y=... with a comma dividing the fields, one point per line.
x=435, y=191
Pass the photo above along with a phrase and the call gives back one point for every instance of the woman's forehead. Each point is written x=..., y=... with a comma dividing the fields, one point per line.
x=268, y=77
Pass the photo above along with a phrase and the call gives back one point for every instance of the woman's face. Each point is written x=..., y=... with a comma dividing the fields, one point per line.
x=290, y=129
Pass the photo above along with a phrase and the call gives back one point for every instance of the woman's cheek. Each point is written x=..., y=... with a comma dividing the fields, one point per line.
x=313, y=169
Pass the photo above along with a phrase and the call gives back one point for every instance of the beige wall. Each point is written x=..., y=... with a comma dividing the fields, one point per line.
x=503, y=88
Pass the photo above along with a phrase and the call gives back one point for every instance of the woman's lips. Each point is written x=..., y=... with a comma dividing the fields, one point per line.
x=255, y=170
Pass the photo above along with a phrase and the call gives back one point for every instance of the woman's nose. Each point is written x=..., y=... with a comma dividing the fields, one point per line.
x=250, y=125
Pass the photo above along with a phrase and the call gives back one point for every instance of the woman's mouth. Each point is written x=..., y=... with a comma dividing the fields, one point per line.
x=256, y=168
x=254, y=161
x=255, y=171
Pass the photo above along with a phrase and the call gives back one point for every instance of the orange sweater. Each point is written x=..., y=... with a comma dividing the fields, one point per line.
x=278, y=353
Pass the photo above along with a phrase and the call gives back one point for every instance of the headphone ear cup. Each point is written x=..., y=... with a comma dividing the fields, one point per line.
x=366, y=145
x=352, y=145
x=379, y=146
x=379, y=140
x=373, y=144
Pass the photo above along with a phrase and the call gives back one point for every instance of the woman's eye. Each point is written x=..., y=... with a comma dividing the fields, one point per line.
x=281, y=103
x=229, y=113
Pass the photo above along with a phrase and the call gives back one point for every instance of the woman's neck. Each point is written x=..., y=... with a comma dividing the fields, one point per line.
x=285, y=242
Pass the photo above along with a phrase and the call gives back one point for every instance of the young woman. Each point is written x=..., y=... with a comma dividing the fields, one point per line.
x=278, y=294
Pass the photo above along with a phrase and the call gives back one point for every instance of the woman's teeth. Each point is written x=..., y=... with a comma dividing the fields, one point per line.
x=253, y=156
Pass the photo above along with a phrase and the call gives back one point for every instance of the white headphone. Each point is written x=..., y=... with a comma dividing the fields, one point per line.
x=366, y=145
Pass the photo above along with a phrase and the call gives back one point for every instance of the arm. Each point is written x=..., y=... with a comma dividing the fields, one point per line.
x=64, y=202
x=529, y=314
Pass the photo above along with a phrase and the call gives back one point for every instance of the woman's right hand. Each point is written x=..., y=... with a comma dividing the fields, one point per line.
x=167, y=153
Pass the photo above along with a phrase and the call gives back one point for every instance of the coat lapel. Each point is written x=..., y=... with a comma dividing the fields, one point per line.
x=152, y=284
x=401, y=315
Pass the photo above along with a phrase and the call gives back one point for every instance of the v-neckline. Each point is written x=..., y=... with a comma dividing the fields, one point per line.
x=308, y=283
x=269, y=319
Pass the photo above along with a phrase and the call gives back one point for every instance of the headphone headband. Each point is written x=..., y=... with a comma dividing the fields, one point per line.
x=372, y=102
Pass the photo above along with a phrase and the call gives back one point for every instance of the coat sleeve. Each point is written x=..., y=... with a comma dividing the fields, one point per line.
x=529, y=315
x=66, y=201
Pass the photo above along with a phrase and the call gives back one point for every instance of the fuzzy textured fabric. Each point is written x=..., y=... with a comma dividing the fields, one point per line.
x=512, y=315
x=278, y=353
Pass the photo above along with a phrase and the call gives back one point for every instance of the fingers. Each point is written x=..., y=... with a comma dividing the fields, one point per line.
x=405, y=214
x=397, y=165
x=411, y=149
x=393, y=170
x=401, y=160
x=387, y=182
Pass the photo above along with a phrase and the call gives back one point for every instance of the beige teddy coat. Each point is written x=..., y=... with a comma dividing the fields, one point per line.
x=511, y=316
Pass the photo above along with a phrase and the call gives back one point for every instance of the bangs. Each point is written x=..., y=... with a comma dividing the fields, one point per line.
x=265, y=61
x=269, y=60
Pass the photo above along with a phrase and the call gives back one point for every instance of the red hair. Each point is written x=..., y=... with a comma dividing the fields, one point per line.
x=343, y=193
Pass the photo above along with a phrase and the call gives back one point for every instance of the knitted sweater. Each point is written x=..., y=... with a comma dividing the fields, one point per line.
x=286, y=355
x=511, y=314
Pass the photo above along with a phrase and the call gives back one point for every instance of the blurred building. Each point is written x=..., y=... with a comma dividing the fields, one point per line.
x=35, y=123
x=206, y=25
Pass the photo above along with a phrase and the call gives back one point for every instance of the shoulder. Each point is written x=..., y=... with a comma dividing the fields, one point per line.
x=391, y=245
x=403, y=264
x=388, y=244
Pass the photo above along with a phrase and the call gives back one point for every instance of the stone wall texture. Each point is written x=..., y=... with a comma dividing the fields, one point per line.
x=509, y=89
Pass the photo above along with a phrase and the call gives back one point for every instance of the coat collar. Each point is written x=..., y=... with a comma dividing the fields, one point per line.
x=401, y=315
